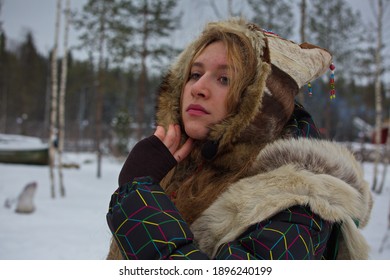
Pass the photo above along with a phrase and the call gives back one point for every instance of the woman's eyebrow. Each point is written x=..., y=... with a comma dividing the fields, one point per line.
x=197, y=64
x=201, y=65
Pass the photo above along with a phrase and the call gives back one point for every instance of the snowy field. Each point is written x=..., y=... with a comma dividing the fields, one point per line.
x=74, y=227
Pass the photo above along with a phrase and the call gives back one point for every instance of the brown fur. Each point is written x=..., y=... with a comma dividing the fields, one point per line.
x=114, y=253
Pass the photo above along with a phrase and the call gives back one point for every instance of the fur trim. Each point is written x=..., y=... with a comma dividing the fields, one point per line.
x=168, y=108
x=282, y=67
x=337, y=193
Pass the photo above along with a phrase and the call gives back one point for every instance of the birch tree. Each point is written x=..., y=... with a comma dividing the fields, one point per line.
x=302, y=34
x=54, y=97
x=61, y=112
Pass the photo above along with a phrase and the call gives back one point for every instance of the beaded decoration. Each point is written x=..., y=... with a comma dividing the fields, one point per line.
x=332, y=93
x=332, y=87
x=310, y=89
x=270, y=32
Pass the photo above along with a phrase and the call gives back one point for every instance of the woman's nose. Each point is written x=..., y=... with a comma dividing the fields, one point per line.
x=201, y=88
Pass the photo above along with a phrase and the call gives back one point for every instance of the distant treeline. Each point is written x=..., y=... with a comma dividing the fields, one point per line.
x=25, y=73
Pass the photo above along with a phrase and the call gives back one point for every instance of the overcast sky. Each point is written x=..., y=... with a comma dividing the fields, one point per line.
x=18, y=16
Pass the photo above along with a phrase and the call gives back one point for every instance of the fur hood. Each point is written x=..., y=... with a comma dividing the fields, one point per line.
x=317, y=173
x=266, y=104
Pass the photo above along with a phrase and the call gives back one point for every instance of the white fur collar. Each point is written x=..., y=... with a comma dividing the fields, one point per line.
x=320, y=174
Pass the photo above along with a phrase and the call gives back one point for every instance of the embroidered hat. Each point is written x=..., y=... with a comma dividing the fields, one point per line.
x=304, y=62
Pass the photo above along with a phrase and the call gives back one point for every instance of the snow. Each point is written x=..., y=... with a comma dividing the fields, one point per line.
x=20, y=142
x=74, y=227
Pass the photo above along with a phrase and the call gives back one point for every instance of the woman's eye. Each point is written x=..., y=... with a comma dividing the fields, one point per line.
x=194, y=76
x=224, y=80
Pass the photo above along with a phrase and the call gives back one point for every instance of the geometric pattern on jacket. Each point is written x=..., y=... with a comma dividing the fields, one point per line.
x=150, y=227
x=274, y=236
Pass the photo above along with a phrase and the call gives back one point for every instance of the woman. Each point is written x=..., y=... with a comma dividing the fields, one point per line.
x=235, y=168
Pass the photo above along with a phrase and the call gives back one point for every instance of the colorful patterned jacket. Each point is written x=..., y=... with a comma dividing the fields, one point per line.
x=290, y=210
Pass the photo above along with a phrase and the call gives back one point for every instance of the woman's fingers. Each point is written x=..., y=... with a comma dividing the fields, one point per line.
x=171, y=139
x=160, y=133
x=184, y=150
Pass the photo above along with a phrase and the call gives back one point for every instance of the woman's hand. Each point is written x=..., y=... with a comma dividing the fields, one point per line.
x=171, y=140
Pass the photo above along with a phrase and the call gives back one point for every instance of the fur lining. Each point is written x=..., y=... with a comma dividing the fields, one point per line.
x=226, y=132
x=281, y=181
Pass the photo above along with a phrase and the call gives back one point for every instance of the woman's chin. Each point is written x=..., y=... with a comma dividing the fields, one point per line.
x=197, y=133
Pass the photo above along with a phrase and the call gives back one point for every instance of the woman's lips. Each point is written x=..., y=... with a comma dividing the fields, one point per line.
x=196, y=110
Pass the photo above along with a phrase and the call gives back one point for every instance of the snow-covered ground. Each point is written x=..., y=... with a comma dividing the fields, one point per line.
x=74, y=227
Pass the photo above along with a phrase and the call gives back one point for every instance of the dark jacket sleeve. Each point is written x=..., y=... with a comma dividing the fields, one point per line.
x=146, y=225
x=149, y=157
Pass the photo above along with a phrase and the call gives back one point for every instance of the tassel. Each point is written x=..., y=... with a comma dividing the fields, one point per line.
x=332, y=92
x=332, y=87
x=310, y=89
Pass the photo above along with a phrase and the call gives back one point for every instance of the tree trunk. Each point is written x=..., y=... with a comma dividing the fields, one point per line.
x=99, y=101
x=99, y=125
x=4, y=109
x=143, y=77
x=301, y=95
x=61, y=119
x=54, y=97
x=3, y=89
x=378, y=96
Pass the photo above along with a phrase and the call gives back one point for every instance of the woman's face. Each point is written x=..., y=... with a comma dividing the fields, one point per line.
x=205, y=93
